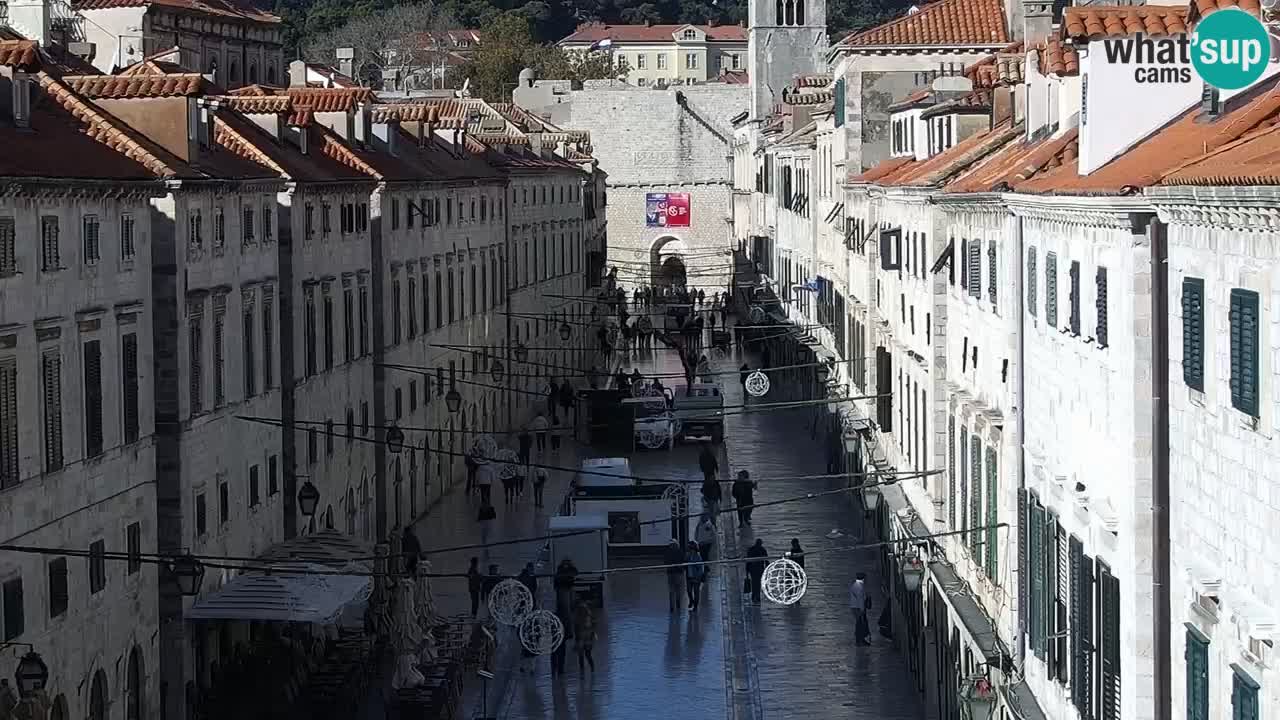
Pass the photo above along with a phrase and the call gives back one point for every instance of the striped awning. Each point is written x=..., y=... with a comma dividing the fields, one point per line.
x=283, y=594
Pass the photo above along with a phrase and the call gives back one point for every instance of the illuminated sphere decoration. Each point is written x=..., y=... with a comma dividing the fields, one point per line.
x=757, y=384
x=784, y=582
x=484, y=449
x=510, y=460
x=541, y=632
x=510, y=602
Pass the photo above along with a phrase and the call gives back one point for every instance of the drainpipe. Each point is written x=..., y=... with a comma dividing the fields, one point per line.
x=504, y=264
x=1158, y=234
x=1020, y=330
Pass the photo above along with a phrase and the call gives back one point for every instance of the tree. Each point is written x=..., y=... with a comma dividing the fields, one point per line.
x=401, y=46
x=508, y=47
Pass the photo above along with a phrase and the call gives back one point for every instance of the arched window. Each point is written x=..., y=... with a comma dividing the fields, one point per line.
x=98, y=697
x=213, y=68
x=799, y=12
x=233, y=72
x=791, y=12
x=778, y=10
x=271, y=74
x=134, y=708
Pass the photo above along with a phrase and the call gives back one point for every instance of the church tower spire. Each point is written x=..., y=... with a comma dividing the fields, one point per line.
x=785, y=38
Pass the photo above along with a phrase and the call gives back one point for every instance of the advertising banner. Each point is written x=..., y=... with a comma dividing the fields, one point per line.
x=667, y=210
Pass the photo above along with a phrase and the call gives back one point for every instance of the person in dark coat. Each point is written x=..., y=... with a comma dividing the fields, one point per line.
x=553, y=399
x=526, y=446
x=707, y=462
x=744, y=495
x=489, y=581
x=565, y=579
x=797, y=553
x=411, y=549
x=472, y=468
x=529, y=580
x=712, y=495
x=673, y=558
x=475, y=585
x=566, y=397
x=755, y=569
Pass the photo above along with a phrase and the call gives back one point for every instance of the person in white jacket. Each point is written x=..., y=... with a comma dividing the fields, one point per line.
x=705, y=536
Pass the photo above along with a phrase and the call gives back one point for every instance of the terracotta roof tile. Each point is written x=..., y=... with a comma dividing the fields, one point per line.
x=258, y=90
x=19, y=53
x=734, y=77
x=594, y=32
x=944, y=166
x=1200, y=8
x=501, y=139
x=883, y=170
x=1252, y=160
x=153, y=67
x=330, y=99
x=946, y=22
x=257, y=104
x=300, y=118
x=1009, y=69
x=1015, y=162
x=812, y=81
x=222, y=8
x=975, y=101
x=810, y=97
x=1184, y=139
x=1057, y=58
x=103, y=87
x=1108, y=21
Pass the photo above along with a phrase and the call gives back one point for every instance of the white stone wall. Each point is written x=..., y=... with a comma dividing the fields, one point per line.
x=1100, y=399
x=88, y=499
x=1224, y=491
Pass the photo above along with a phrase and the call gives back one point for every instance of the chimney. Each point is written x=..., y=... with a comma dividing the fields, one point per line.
x=949, y=87
x=297, y=74
x=33, y=18
x=347, y=61
x=21, y=104
x=386, y=132
x=1037, y=22
x=1210, y=104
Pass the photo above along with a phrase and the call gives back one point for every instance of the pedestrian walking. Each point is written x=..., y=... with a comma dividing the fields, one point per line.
x=540, y=427
x=743, y=373
x=705, y=535
x=475, y=585
x=553, y=398
x=556, y=433
x=796, y=554
x=473, y=468
x=744, y=495
x=566, y=398
x=484, y=481
x=673, y=558
x=711, y=497
x=526, y=446
x=565, y=580
x=522, y=474
x=707, y=462
x=694, y=573
x=860, y=605
x=411, y=549
x=584, y=630
x=539, y=483
x=755, y=569
x=558, y=654
x=509, y=489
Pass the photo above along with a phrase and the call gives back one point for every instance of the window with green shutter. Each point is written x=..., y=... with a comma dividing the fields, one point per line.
x=951, y=471
x=838, y=100
x=975, y=497
x=1244, y=351
x=992, y=517
x=974, y=280
x=1050, y=599
x=991, y=271
x=1051, y=289
x=1193, y=333
x=1100, y=305
x=1108, y=644
x=964, y=482
x=1024, y=575
x=1031, y=280
x=1197, y=658
x=1073, y=297
x=1244, y=696
x=1080, y=600
x=1035, y=557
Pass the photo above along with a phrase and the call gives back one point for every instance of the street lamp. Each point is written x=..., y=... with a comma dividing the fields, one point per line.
x=32, y=674
x=188, y=573
x=977, y=698
x=453, y=399
x=565, y=332
x=912, y=569
x=871, y=496
x=521, y=352
x=495, y=370
x=308, y=499
x=395, y=442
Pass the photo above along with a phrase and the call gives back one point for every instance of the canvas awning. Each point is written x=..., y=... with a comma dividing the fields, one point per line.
x=327, y=547
x=283, y=594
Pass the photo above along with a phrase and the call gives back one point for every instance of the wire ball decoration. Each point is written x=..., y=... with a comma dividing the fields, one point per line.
x=757, y=384
x=651, y=438
x=483, y=449
x=541, y=632
x=757, y=314
x=510, y=460
x=645, y=389
x=784, y=581
x=674, y=492
x=510, y=602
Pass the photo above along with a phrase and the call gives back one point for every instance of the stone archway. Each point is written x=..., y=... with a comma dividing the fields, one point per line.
x=667, y=268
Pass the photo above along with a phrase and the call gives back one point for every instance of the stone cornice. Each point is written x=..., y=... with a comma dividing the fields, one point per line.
x=1105, y=211
x=62, y=188
x=1238, y=208
x=955, y=203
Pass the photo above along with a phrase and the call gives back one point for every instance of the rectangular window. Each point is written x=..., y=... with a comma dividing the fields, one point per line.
x=326, y=213
x=246, y=225
x=202, y=515
x=9, y=422
x=224, y=503
x=219, y=229
x=395, y=312
x=14, y=615
x=1080, y=601
x=253, y=485
x=1073, y=297
x=267, y=225
x=975, y=269
x=268, y=338
x=1193, y=333
x=92, y=355
x=365, y=328
x=1051, y=289
x=313, y=446
x=58, y=595
x=1197, y=669
x=412, y=305
x=452, y=295
x=273, y=475
x=991, y=271
x=962, y=501
x=308, y=221
x=349, y=324
x=691, y=61
x=1244, y=697
x=97, y=566
x=364, y=418
x=662, y=62
x=8, y=247
x=395, y=213
x=309, y=329
x=976, y=539
x=51, y=376
x=641, y=61
x=128, y=247
x=1035, y=559
x=328, y=438
x=89, y=238
x=247, y=340
x=951, y=472
x=1244, y=351
x=219, y=354
x=327, y=299
x=50, y=260
x=133, y=546
x=413, y=396
x=195, y=359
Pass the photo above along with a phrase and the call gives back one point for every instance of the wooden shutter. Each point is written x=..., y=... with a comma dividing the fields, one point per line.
x=975, y=269
x=839, y=101
x=991, y=271
x=51, y=370
x=219, y=357
x=268, y=338
x=8, y=247
x=964, y=482
x=1074, y=297
x=975, y=497
x=1024, y=586
x=92, y=352
x=1031, y=280
x=1193, y=333
x=196, y=361
x=1035, y=556
x=1244, y=697
x=1108, y=644
x=1085, y=653
x=993, y=512
x=1244, y=351
x=951, y=472
x=1075, y=557
x=964, y=264
x=1197, y=660
x=9, y=473
x=1051, y=289
x=14, y=610
x=884, y=387
x=129, y=381
x=1049, y=556
x=891, y=249
x=1100, y=304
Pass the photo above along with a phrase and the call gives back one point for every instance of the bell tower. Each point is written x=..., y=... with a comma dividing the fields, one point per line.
x=785, y=38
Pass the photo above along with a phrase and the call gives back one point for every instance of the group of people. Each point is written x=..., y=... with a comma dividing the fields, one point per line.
x=743, y=489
